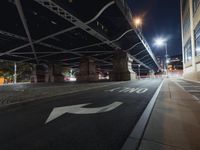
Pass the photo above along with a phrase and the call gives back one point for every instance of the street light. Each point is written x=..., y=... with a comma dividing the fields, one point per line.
x=163, y=42
x=160, y=41
x=138, y=23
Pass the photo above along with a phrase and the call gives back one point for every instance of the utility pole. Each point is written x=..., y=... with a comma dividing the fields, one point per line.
x=166, y=56
x=139, y=71
x=15, y=73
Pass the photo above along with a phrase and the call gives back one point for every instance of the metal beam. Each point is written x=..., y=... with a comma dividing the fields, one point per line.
x=70, y=59
x=127, y=50
x=57, y=33
x=42, y=44
x=19, y=56
x=147, y=60
x=25, y=53
x=63, y=50
x=140, y=53
x=122, y=4
x=82, y=47
x=143, y=57
x=23, y=19
x=78, y=23
x=138, y=61
x=52, y=6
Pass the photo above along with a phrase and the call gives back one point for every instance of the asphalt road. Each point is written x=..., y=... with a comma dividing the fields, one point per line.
x=103, y=123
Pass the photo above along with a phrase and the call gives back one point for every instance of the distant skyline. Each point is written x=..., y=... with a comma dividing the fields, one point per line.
x=160, y=18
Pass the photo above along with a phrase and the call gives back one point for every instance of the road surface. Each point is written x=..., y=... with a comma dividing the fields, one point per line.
x=97, y=119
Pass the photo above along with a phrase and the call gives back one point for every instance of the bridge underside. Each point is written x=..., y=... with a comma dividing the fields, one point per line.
x=64, y=31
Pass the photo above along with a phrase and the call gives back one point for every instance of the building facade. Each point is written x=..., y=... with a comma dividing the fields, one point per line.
x=190, y=23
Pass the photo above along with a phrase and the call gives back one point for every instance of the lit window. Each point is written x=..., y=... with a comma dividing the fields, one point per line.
x=188, y=51
x=195, y=5
x=186, y=22
x=197, y=39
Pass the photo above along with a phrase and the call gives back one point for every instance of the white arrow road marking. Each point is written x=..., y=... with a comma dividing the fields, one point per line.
x=79, y=109
x=113, y=89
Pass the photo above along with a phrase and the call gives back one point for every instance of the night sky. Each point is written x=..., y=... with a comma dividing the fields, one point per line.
x=160, y=18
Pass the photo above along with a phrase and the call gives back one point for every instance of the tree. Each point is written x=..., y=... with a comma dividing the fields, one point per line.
x=23, y=70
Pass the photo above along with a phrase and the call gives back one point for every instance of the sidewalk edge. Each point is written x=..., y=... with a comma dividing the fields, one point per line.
x=191, y=80
x=133, y=141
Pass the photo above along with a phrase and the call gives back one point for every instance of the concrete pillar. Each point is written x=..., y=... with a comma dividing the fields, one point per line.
x=122, y=67
x=40, y=73
x=51, y=76
x=56, y=75
x=45, y=73
x=87, y=70
x=33, y=74
x=151, y=74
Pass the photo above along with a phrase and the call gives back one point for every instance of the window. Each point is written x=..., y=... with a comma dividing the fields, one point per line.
x=197, y=39
x=195, y=5
x=188, y=51
x=184, y=2
x=186, y=23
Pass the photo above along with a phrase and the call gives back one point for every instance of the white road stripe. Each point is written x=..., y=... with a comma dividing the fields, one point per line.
x=193, y=91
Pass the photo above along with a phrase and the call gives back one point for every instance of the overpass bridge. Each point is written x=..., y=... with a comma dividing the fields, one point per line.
x=85, y=35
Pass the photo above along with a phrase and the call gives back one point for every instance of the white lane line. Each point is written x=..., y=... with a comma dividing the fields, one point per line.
x=196, y=98
x=180, y=86
x=193, y=91
x=185, y=84
x=134, y=138
x=191, y=86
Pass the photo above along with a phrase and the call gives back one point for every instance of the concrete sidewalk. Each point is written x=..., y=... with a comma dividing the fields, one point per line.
x=175, y=121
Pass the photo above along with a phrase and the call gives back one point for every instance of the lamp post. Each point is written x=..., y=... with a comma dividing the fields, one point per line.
x=163, y=42
x=139, y=71
x=166, y=57
x=15, y=73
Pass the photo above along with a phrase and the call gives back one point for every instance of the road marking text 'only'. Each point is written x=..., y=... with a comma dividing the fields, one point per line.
x=128, y=90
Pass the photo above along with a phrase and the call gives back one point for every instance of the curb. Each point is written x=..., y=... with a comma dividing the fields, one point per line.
x=191, y=80
x=134, y=139
x=24, y=102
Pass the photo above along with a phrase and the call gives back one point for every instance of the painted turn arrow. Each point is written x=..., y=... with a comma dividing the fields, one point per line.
x=79, y=109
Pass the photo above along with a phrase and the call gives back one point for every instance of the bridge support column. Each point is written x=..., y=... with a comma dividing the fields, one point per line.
x=87, y=70
x=122, y=67
x=151, y=74
x=33, y=74
x=39, y=73
x=45, y=73
x=56, y=73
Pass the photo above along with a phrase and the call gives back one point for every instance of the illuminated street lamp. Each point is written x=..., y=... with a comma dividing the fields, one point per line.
x=138, y=23
x=162, y=42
